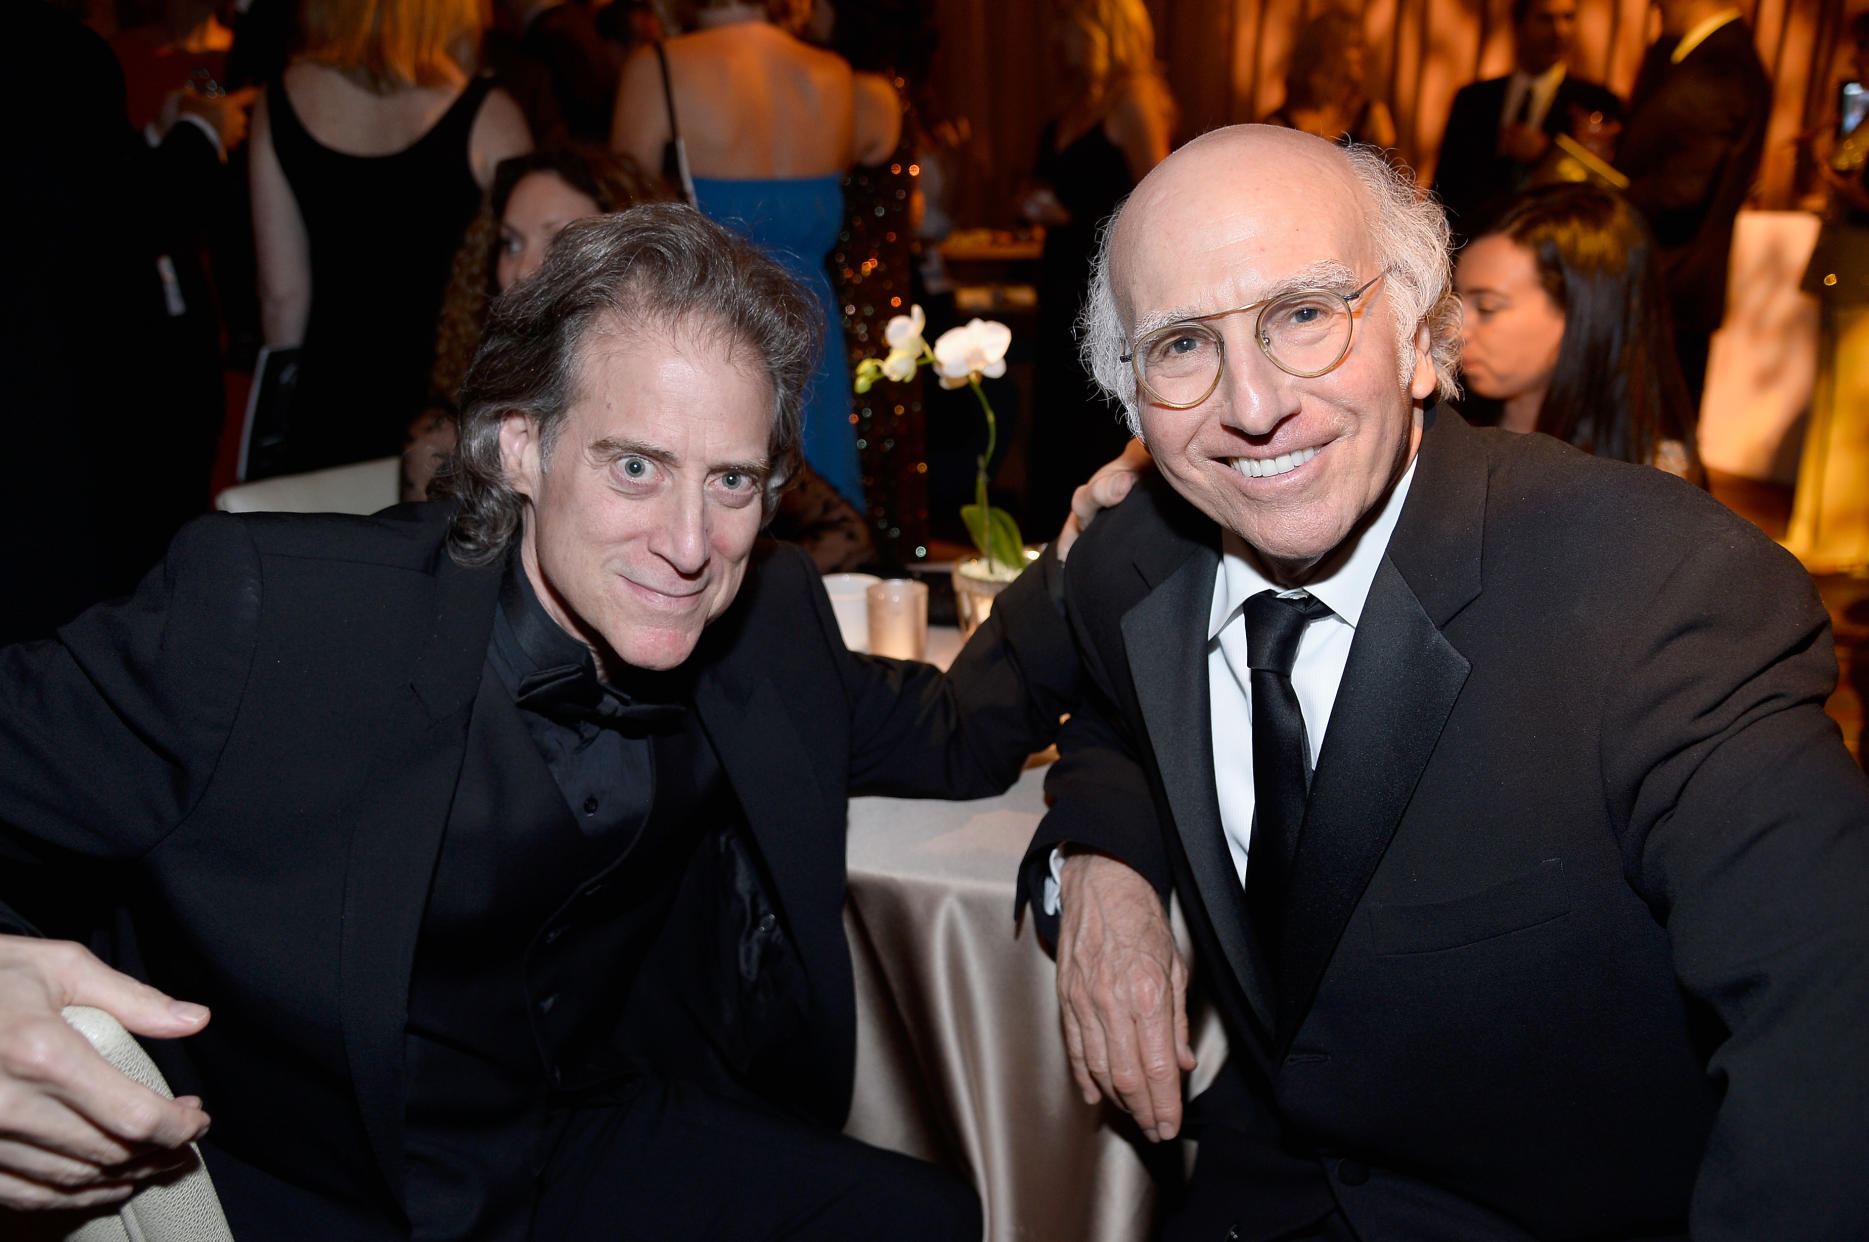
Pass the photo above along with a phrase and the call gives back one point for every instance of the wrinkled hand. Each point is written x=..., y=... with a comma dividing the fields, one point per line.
x=1104, y=490
x=1122, y=992
x=73, y=1131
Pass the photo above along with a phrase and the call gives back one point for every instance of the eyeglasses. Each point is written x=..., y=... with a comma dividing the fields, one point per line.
x=1304, y=334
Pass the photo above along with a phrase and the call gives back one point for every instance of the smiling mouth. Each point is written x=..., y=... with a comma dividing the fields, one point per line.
x=1267, y=467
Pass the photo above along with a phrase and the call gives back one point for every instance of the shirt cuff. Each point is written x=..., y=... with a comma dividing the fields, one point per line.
x=1054, y=883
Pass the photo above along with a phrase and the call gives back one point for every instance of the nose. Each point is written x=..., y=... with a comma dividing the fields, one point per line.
x=529, y=261
x=1255, y=394
x=681, y=536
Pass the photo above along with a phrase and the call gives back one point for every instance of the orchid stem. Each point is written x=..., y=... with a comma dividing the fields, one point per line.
x=992, y=440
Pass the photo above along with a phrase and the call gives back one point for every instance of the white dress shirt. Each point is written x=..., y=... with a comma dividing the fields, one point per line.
x=1543, y=90
x=1342, y=583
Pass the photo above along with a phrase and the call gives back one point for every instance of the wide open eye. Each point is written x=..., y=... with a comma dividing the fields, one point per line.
x=635, y=469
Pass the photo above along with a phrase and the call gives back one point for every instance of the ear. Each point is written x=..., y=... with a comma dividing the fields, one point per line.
x=519, y=453
x=1422, y=383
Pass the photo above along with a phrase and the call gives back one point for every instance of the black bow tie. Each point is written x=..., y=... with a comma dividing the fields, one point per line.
x=571, y=694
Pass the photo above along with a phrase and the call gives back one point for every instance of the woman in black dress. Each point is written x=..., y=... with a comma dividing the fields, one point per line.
x=1112, y=130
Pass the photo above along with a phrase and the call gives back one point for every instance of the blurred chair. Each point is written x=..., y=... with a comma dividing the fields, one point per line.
x=361, y=488
x=183, y=1210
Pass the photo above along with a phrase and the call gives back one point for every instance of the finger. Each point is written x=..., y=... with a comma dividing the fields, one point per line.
x=1074, y=1050
x=1128, y=1075
x=1091, y=1024
x=24, y=1194
x=49, y=1067
x=80, y=979
x=1161, y=1070
x=1067, y=535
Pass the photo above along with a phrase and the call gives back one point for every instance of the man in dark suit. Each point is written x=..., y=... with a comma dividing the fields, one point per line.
x=1521, y=861
x=1499, y=129
x=504, y=837
x=1691, y=149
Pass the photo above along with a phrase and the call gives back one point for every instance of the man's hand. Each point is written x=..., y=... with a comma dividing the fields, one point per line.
x=1105, y=489
x=1122, y=992
x=1525, y=143
x=73, y=1131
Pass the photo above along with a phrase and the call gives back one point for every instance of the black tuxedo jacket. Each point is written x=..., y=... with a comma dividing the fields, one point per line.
x=1576, y=941
x=1695, y=133
x=1471, y=176
x=256, y=755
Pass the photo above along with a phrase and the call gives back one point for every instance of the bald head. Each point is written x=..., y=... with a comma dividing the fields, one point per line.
x=1257, y=186
x=1291, y=461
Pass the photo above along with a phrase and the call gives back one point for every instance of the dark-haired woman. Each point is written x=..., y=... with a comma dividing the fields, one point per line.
x=1565, y=323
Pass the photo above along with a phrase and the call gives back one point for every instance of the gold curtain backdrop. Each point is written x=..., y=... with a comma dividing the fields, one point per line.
x=1225, y=60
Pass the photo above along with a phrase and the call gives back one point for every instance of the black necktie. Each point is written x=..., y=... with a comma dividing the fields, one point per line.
x=1281, y=757
x=1524, y=114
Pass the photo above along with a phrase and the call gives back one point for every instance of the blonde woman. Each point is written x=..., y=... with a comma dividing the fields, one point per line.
x=369, y=158
x=1326, y=85
x=1114, y=127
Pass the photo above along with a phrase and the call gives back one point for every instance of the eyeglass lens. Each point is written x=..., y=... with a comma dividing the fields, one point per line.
x=1305, y=333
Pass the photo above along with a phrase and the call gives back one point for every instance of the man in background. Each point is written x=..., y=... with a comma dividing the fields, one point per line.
x=1691, y=149
x=1499, y=129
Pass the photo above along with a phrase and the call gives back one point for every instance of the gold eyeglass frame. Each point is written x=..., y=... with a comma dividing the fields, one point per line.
x=1136, y=350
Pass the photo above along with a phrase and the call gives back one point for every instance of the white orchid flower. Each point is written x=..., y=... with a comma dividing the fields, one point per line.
x=904, y=334
x=979, y=349
x=901, y=363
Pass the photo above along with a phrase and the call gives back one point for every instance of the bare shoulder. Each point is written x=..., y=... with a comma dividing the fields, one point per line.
x=500, y=132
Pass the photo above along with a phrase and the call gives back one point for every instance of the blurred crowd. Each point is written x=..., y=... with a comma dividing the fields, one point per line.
x=328, y=196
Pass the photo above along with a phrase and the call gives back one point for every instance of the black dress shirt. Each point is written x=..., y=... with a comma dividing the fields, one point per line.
x=539, y=912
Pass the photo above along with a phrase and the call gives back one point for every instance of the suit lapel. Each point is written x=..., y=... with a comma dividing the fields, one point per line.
x=421, y=738
x=1399, y=685
x=1165, y=636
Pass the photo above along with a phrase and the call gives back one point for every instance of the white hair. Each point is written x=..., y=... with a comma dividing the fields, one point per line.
x=1407, y=228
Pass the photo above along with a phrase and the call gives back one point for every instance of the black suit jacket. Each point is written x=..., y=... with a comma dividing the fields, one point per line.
x=1690, y=150
x=1472, y=177
x=256, y=756
x=1577, y=933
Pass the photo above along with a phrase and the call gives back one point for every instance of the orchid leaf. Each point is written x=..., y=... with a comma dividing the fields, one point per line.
x=996, y=535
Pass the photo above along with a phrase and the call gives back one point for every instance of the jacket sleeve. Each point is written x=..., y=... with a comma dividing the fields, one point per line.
x=1748, y=833
x=966, y=734
x=110, y=731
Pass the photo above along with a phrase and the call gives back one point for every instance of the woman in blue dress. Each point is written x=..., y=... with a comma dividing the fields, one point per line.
x=768, y=125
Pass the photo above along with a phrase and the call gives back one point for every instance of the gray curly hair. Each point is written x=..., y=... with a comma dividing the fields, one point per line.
x=657, y=264
x=1408, y=227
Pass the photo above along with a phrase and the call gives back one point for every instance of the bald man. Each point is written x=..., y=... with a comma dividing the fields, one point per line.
x=1522, y=863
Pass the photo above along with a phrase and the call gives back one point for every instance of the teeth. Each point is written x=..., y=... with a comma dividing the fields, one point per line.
x=1266, y=467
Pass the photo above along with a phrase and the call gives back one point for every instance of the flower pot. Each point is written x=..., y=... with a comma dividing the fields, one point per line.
x=976, y=583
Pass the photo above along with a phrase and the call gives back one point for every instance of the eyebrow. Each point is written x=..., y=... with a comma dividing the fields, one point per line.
x=610, y=448
x=1323, y=274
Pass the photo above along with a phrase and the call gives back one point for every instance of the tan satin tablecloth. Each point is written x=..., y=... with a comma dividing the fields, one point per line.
x=959, y=1058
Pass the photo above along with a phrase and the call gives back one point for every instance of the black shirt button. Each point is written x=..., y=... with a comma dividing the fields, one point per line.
x=590, y=805
x=553, y=935
x=545, y=1006
x=768, y=921
x=1352, y=1172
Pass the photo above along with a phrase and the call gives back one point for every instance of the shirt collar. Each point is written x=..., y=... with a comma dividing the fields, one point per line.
x=1342, y=581
x=524, y=633
x=1698, y=35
